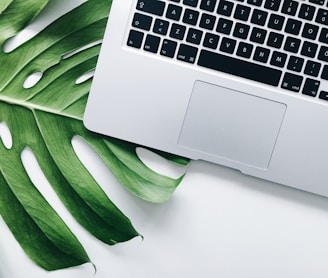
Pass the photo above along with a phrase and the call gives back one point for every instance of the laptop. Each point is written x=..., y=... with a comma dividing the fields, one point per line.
x=243, y=84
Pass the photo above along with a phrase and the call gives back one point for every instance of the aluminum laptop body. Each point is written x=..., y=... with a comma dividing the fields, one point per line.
x=238, y=83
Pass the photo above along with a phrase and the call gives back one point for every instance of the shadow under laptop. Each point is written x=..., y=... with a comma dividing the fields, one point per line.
x=259, y=186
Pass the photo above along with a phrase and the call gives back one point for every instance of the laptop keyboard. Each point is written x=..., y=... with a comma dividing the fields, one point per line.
x=279, y=43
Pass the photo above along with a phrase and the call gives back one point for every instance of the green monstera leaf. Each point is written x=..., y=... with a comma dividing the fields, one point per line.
x=44, y=118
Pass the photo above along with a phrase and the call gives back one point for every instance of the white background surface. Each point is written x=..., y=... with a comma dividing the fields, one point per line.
x=219, y=223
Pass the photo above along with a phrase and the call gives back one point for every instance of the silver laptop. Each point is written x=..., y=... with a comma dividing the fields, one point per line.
x=239, y=83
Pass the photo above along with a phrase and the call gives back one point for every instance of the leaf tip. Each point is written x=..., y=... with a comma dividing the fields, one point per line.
x=94, y=268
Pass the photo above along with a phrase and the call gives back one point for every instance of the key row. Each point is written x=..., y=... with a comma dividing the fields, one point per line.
x=208, y=22
x=307, y=12
x=241, y=12
x=241, y=31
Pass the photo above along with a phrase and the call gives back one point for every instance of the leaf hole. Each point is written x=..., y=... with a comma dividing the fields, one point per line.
x=40, y=181
x=85, y=77
x=12, y=43
x=35, y=173
x=32, y=80
x=72, y=53
x=90, y=159
x=5, y=135
x=159, y=164
x=99, y=171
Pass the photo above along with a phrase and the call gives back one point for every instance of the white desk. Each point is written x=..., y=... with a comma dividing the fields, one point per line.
x=219, y=223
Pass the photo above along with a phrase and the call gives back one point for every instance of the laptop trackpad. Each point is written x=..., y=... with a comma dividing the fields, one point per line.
x=232, y=124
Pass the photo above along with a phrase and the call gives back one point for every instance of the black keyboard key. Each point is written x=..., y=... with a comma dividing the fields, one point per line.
x=194, y=36
x=224, y=26
x=311, y=87
x=323, y=54
x=168, y=48
x=259, y=17
x=225, y=8
x=211, y=40
x=174, y=12
x=207, y=21
x=293, y=26
x=241, y=30
x=295, y=63
x=276, y=21
x=141, y=21
x=324, y=35
x=244, y=50
x=190, y=17
x=289, y=7
x=192, y=3
x=306, y=12
x=322, y=17
x=152, y=43
x=312, y=68
x=309, y=49
x=292, y=44
x=242, y=12
x=318, y=2
x=239, y=68
x=261, y=54
x=258, y=35
x=151, y=6
x=228, y=45
x=310, y=31
x=187, y=53
x=275, y=40
x=177, y=31
x=292, y=82
x=278, y=59
x=323, y=95
x=208, y=5
x=255, y=2
x=324, y=74
x=161, y=26
x=272, y=5
x=135, y=39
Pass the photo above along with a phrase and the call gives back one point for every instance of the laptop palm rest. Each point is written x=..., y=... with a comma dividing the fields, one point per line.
x=232, y=125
